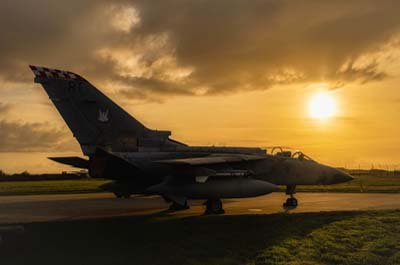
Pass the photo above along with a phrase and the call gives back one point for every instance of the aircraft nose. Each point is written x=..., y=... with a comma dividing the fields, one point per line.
x=341, y=177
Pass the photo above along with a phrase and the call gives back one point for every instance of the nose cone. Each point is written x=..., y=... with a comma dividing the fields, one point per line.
x=341, y=176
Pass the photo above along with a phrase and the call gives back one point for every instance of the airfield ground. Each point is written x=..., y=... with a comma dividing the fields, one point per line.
x=61, y=207
x=353, y=238
x=358, y=223
x=385, y=183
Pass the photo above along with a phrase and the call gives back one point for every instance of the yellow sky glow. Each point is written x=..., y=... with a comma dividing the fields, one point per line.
x=253, y=73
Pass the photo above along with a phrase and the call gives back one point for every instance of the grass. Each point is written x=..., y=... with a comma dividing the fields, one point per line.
x=363, y=183
x=351, y=238
x=50, y=186
x=370, y=238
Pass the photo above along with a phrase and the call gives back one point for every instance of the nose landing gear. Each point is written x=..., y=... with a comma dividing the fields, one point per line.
x=292, y=201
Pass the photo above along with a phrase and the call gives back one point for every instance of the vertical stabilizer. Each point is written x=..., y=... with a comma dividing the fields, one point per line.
x=94, y=119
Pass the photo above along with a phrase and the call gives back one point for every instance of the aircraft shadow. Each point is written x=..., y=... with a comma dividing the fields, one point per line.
x=160, y=239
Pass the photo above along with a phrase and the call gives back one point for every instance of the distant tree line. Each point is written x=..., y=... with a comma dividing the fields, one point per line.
x=373, y=172
x=26, y=176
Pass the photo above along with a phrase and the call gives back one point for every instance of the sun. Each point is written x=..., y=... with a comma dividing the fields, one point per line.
x=322, y=106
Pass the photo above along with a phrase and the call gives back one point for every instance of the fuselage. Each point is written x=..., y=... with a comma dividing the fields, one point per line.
x=276, y=169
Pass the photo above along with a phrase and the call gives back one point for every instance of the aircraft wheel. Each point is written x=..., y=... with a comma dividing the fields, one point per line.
x=290, y=202
x=214, y=206
x=178, y=207
x=166, y=199
x=118, y=195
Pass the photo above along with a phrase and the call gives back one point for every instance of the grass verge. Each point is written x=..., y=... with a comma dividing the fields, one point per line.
x=50, y=186
x=364, y=183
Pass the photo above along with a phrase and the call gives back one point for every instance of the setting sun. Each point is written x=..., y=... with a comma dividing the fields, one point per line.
x=322, y=106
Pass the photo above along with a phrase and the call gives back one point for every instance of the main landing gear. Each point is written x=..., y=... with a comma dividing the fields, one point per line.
x=120, y=195
x=178, y=207
x=292, y=201
x=214, y=206
x=176, y=203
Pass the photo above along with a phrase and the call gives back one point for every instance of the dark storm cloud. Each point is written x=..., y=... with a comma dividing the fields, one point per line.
x=238, y=43
x=198, y=47
x=49, y=33
x=16, y=137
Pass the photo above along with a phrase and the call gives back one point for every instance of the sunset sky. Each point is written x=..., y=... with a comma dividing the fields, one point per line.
x=231, y=73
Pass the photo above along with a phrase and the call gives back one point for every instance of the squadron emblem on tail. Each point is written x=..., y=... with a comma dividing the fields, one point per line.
x=103, y=116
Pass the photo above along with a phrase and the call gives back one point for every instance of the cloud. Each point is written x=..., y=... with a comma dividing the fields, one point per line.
x=28, y=137
x=4, y=108
x=154, y=49
x=365, y=74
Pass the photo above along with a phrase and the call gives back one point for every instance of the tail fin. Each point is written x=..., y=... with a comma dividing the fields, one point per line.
x=94, y=119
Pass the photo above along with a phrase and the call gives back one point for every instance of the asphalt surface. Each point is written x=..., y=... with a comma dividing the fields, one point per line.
x=43, y=208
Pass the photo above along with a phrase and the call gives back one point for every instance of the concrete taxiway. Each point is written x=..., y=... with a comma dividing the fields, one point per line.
x=41, y=208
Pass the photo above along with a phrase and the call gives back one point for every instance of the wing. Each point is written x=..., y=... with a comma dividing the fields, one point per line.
x=72, y=161
x=209, y=160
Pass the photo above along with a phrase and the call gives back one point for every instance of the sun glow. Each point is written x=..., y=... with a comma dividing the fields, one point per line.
x=322, y=106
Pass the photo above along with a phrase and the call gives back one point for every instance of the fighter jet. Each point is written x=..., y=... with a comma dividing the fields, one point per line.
x=140, y=160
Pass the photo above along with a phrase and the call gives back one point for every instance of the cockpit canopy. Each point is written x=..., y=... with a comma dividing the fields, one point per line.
x=287, y=152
